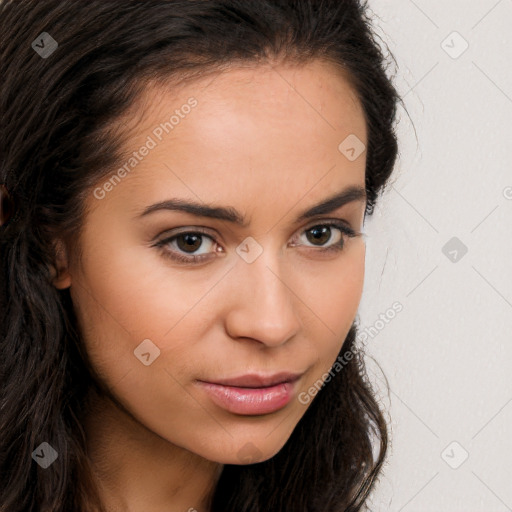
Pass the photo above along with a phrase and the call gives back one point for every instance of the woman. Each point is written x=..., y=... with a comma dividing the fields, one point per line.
x=184, y=187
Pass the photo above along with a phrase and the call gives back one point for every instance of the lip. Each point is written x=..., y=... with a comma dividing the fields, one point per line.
x=255, y=380
x=252, y=394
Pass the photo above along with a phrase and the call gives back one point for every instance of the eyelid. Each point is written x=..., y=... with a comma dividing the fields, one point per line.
x=208, y=232
x=320, y=220
x=186, y=229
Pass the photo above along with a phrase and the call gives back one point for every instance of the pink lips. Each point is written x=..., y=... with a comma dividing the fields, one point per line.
x=252, y=394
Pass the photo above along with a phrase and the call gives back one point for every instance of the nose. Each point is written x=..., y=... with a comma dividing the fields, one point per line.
x=263, y=304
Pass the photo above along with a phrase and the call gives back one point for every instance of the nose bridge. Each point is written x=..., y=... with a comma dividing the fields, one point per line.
x=263, y=304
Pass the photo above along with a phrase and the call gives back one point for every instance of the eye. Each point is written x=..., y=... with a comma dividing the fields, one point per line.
x=184, y=244
x=332, y=231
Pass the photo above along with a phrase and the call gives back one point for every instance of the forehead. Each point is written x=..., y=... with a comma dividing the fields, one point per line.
x=247, y=132
x=276, y=96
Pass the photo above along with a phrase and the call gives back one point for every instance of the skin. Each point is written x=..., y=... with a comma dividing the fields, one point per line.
x=264, y=141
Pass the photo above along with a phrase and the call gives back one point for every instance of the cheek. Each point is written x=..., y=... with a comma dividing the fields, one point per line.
x=122, y=298
x=333, y=295
x=334, y=291
x=130, y=287
x=128, y=305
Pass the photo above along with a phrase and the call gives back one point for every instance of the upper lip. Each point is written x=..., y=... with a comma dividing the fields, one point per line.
x=255, y=380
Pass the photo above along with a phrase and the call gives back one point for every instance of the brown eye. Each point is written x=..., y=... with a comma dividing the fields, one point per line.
x=330, y=236
x=189, y=241
x=319, y=234
x=182, y=246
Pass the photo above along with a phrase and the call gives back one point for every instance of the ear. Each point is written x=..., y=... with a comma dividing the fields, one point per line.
x=61, y=277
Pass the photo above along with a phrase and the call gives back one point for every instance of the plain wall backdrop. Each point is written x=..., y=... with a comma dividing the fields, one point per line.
x=439, y=247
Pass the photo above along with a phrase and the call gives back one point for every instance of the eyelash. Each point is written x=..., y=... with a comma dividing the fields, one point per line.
x=346, y=233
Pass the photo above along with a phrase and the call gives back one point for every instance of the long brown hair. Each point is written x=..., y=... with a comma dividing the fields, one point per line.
x=56, y=111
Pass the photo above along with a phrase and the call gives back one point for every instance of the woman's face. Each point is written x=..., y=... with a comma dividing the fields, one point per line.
x=266, y=295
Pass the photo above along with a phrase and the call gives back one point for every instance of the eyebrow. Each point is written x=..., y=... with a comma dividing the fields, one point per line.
x=348, y=195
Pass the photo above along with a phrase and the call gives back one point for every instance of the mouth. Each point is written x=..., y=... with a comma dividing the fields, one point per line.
x=252, y=394
x=255, y=380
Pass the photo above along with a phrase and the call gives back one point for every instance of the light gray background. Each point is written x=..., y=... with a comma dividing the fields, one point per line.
x=448, y=354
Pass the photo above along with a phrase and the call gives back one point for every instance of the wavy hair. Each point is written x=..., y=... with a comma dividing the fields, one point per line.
x=59, y=136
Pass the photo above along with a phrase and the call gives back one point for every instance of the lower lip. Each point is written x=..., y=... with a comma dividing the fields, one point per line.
x=250, y=401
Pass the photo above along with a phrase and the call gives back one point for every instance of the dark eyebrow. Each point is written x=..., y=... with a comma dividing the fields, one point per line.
x=348, y=195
